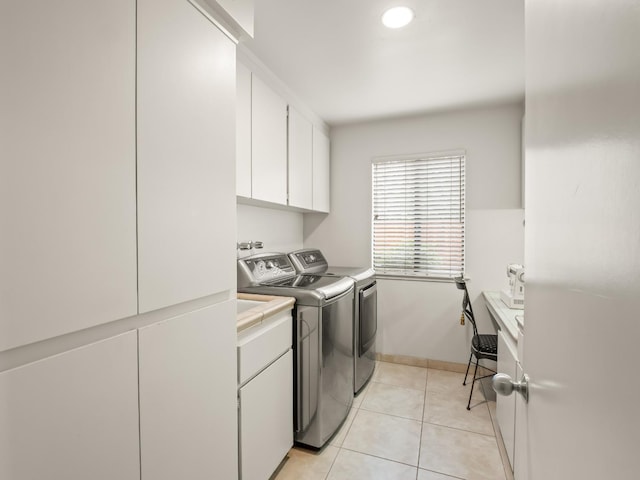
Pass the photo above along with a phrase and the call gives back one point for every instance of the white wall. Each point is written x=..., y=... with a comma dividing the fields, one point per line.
x=422, y=318
x=279, y=230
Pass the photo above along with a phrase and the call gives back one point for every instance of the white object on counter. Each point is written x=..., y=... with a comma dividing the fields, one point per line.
x=511, y=301
x=513, y=297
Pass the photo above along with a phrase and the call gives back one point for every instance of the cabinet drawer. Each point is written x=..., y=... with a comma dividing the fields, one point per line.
x=266, y=422
x=261, y=344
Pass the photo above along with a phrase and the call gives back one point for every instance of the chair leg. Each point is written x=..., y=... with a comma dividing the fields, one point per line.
x=475, y=374
x=467, y=372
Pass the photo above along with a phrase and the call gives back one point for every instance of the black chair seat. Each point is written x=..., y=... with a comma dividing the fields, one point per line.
x=485, y=346
x=482, y=346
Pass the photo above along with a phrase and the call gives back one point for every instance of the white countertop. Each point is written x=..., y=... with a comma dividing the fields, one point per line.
x=271, y=305
x=503, y=315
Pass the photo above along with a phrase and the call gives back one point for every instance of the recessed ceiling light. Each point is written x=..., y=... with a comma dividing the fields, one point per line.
x=397, y=17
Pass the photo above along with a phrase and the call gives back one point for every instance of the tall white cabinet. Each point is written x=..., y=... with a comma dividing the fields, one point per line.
x=186, y=152
x=73, y=416
x=117, y=198
x=188, y=426
x=67, y=167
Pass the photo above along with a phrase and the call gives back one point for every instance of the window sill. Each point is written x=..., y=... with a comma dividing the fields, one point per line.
x=412, y=278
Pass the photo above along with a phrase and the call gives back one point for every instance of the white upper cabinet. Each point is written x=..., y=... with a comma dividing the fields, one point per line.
x=281, y=158
x=186, y=155
x=268, y=144
x=300, y=161
x=243, y=131
x=67, y=167
x=321, y=171
x=73, y=415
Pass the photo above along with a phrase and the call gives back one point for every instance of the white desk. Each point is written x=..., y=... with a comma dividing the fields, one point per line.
x=503, y=315
x=510, y=323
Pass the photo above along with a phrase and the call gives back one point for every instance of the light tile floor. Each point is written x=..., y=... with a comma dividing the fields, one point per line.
x=409, y=423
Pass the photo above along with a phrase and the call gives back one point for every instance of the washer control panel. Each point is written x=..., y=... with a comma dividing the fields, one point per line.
x=264, y=268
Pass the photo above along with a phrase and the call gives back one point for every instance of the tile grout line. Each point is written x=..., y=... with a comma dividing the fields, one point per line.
x=366, y=392
x=394, y=415
x=342, y=443
x=424, y=407
x=461, y=429
x=486, y=404
x=431, y=423
x=495, y=436
x=340, y=447
x=398, y=386
x=425, y=391
x=379, y=457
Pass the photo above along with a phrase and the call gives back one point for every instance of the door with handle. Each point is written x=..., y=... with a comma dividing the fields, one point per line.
x=503, y=384
x=582, y=240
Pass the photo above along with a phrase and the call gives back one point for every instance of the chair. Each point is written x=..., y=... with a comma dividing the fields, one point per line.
x=482, y=346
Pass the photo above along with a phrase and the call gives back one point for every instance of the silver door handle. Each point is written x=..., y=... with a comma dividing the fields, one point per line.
x=504, y=385
x=367, y=292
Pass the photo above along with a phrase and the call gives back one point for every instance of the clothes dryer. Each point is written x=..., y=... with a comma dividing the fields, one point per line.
x=365, y=312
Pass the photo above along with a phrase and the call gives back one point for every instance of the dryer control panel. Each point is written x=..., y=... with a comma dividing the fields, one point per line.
x=309, y=261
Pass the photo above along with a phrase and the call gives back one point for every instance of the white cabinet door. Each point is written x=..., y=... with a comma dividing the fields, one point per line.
x=67, y=167
x=186, y=155
x=266, y=406
x=188, y=396
x=321, y=171
x=243, y=131
x=300, y=178
x=73, y=416
x=268, y=144
x=521, y=452
x=506, y=406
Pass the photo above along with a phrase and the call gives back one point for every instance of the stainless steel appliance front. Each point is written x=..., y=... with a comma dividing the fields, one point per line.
x=365, y=334
x=365, y=319
x=322, y=341
x=324, y=375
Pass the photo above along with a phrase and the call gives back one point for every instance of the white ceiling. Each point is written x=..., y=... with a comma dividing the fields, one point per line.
x=346, y=66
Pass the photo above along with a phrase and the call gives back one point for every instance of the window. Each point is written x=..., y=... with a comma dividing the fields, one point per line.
x=418, y=215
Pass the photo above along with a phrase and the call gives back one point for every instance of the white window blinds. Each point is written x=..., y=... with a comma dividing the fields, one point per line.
x=418, y=216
